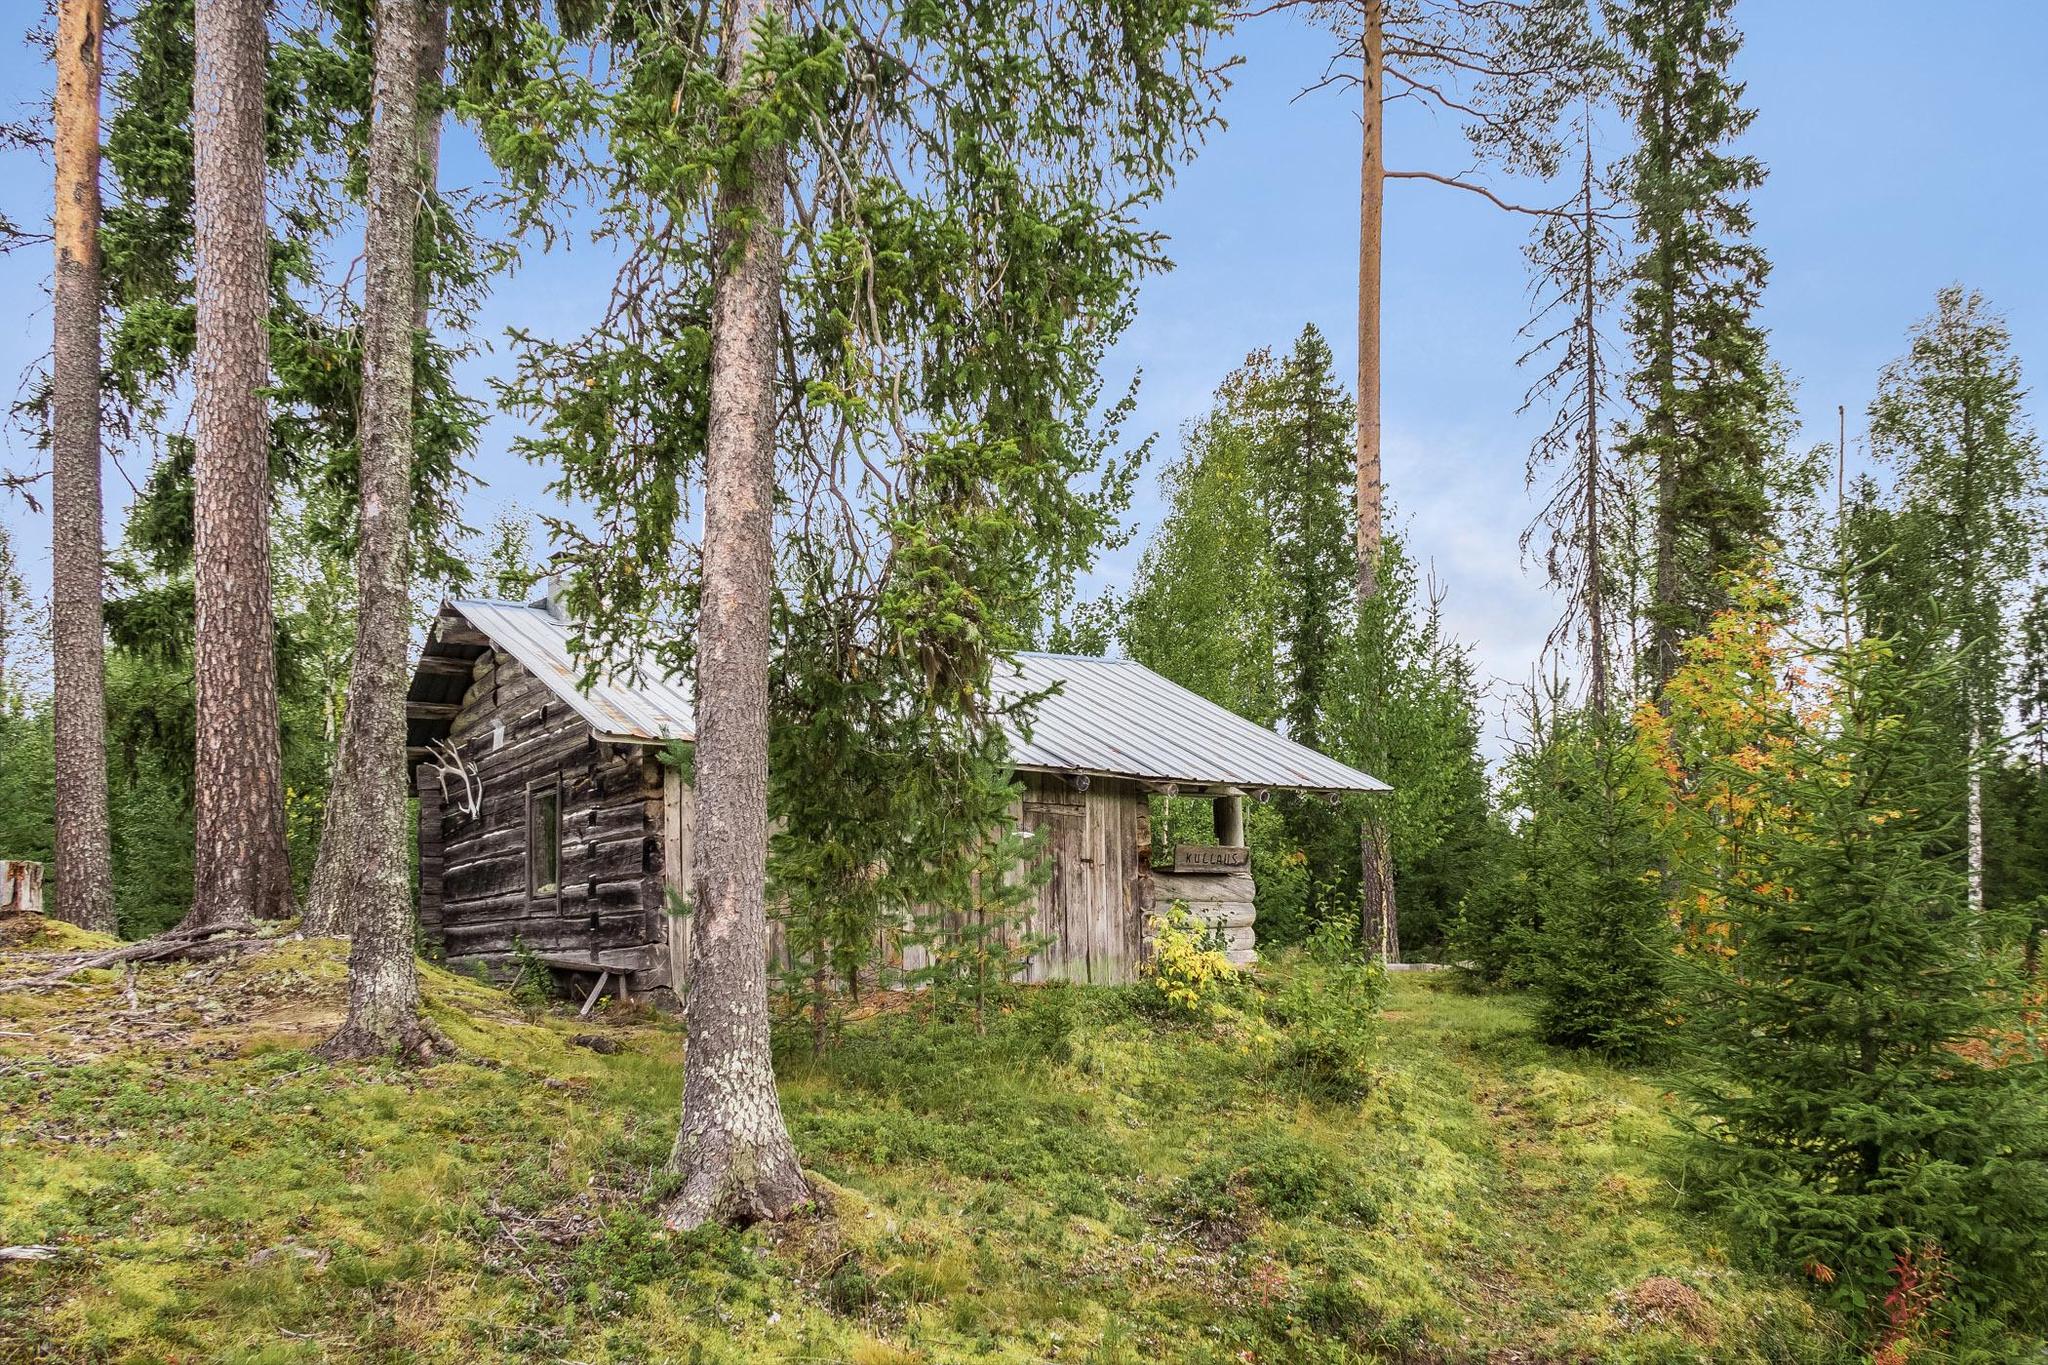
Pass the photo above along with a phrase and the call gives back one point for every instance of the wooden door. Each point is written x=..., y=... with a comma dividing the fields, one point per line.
x=1064, y=910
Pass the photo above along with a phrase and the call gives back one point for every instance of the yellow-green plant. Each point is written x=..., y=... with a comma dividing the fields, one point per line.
x=1189, y=970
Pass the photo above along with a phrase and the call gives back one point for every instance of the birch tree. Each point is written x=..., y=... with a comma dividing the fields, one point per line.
x=1949, y=421
x=84, y=853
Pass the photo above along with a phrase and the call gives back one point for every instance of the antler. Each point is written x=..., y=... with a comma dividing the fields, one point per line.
x=450, y=759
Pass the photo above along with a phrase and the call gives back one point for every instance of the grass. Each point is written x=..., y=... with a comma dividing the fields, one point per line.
x=1087, y=1183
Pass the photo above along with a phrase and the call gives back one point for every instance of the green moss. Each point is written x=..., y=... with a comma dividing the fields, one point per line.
x=1019, y=1197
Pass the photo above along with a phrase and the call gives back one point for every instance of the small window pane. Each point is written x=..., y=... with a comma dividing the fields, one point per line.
x=544, y=839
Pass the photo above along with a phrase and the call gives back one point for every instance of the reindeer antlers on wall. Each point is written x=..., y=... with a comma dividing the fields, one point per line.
x=449, y=759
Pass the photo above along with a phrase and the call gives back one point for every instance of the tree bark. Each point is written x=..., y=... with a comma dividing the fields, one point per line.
x=241, y=868
x=732, y=1149
x=337, y=889
x=1589, y=324
x=1376, y=887
x=384, y=984
x=84, y=857
x=1372, y=184
x=1663, y=366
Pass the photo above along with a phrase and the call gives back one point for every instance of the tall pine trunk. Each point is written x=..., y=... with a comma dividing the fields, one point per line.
x=85, y=883
x=1372, y=186
x=732, y=1148
x=383, y=974
x=241, y=869
x=1378, y=930
x=337, y=890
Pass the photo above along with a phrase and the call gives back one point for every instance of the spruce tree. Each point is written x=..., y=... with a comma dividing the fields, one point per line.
x=1708, y=399
x=1589, y=854
x=1867, y=1115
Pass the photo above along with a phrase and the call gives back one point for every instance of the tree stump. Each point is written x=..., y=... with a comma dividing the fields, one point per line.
x=21, y=887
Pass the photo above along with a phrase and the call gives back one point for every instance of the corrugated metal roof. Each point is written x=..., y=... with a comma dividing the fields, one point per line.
x=640, y=703
x=1118, y=718
x=1108, y=717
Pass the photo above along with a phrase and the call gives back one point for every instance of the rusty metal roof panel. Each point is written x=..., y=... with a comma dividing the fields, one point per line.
x=1118, y=718
x=641, y=702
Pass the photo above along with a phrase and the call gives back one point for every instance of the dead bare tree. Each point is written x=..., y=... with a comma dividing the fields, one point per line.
x=1576, y=261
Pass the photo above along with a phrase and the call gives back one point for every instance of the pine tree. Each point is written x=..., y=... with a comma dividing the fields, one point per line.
x=243, y=868
x=84, y=872
x=1865, y=1118
x=1504, y=72
x=1708, y=398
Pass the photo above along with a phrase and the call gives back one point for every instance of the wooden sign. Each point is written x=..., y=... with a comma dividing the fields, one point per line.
x=1209, y=858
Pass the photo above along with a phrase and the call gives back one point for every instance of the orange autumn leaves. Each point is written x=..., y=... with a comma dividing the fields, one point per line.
x=1729, y=740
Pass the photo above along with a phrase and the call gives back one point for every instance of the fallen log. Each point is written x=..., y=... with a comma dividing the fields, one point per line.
x=199, y=943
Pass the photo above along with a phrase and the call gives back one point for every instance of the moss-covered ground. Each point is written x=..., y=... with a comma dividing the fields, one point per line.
x=1086, y=1183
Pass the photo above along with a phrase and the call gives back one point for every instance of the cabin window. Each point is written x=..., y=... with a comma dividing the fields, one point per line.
x=543, y=838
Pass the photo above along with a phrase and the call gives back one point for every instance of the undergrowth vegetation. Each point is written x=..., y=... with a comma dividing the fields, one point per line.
x=1093, y=1180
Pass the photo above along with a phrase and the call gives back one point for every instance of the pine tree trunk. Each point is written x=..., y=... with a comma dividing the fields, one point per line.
x=332, y=899
x=1371, y=194
x=241, y=868
x=85, y=881
x=1376, y=904
x=384, y=986
x=732, y=1149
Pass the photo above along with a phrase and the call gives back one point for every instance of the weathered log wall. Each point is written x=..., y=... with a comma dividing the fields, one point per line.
x=628, y=827
x=1101, y=890
x=1222, y=902
x=513, y=732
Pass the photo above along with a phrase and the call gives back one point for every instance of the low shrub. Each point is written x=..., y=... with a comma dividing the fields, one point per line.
x=1269, y=1171
x=1326, y=1005
x=1190, y=974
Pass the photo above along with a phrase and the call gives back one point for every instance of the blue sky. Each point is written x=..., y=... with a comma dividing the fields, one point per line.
x=1905, y=143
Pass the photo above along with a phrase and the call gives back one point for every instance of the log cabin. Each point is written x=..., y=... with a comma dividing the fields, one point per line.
x=550, y=828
